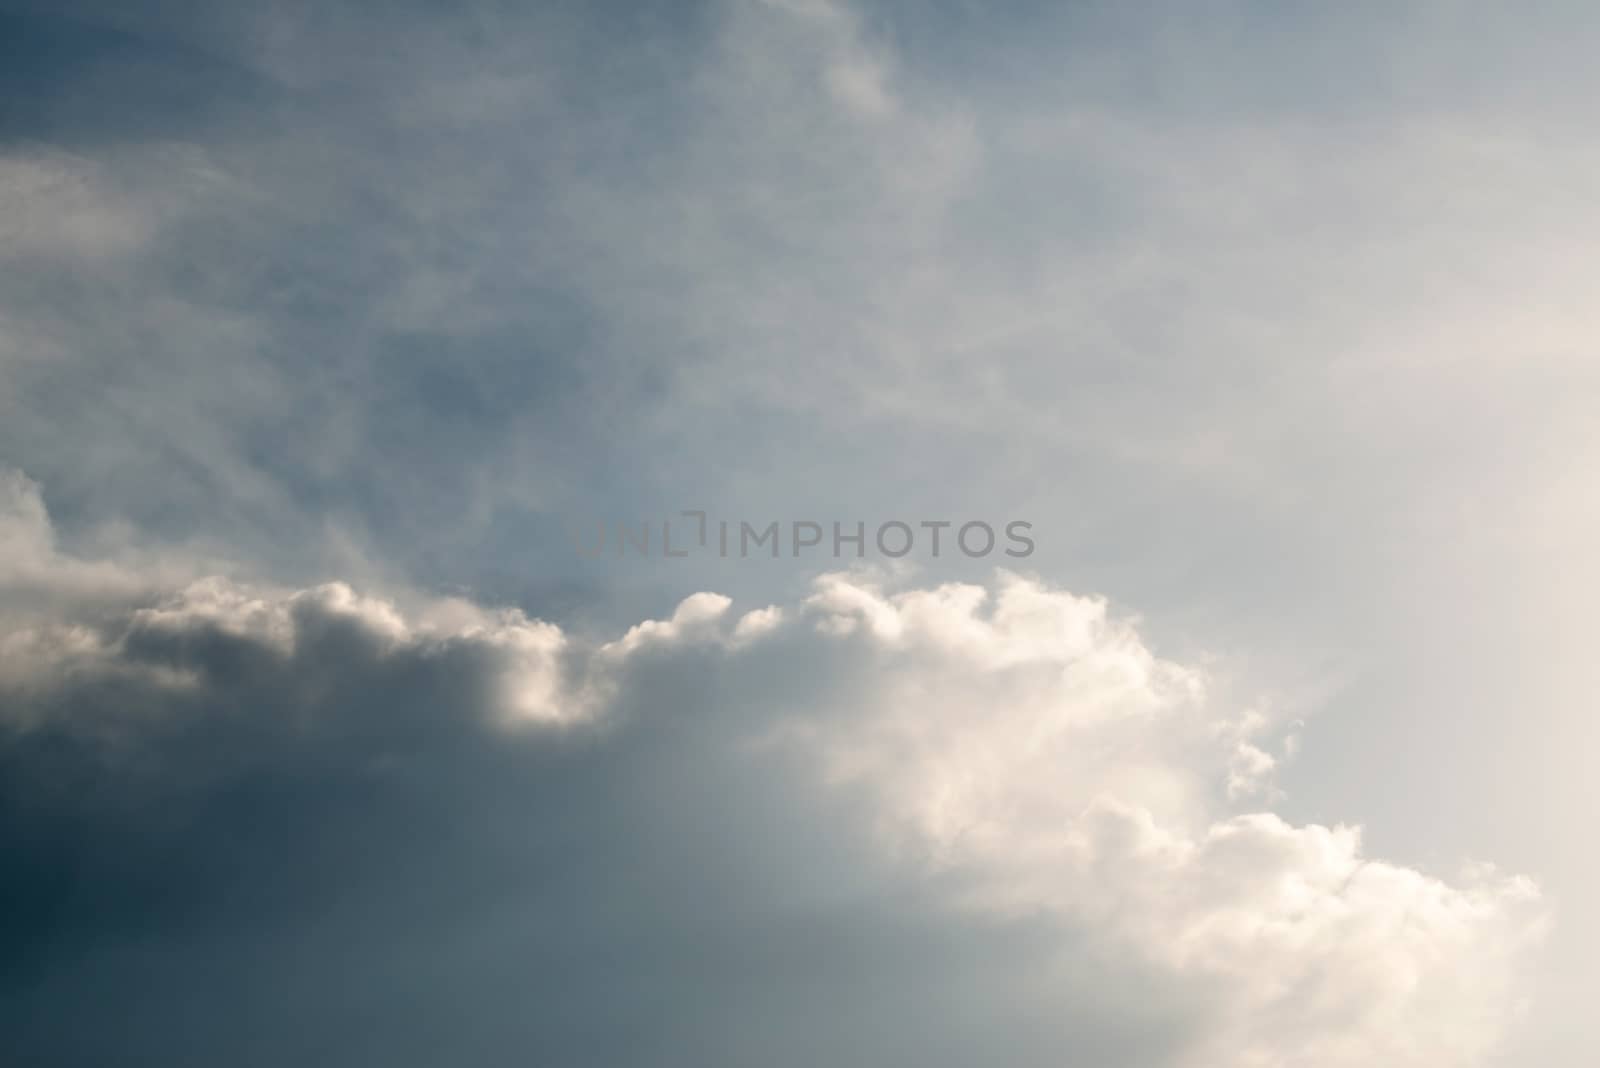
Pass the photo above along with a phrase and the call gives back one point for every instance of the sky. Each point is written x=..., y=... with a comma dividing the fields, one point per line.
x=331, y=332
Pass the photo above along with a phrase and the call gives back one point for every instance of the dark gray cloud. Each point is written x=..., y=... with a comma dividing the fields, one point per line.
x=883, y=826
x=330, y=855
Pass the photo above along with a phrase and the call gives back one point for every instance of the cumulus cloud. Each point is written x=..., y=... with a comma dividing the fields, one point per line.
x=887, y=825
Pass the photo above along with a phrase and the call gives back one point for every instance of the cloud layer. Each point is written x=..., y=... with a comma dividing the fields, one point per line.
x=886, y=825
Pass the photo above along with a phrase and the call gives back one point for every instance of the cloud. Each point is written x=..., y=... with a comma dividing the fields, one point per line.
x=54, y=206
x=434, y=283
x=389, y=295
x=30, y=565
x=888, y=825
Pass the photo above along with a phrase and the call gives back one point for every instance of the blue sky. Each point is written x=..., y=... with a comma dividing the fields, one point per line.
x=1274, y=322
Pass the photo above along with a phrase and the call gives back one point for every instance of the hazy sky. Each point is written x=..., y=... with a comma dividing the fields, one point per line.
x=324, y=324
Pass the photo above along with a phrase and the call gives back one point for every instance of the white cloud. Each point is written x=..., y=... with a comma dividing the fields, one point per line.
x=1043, y=750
